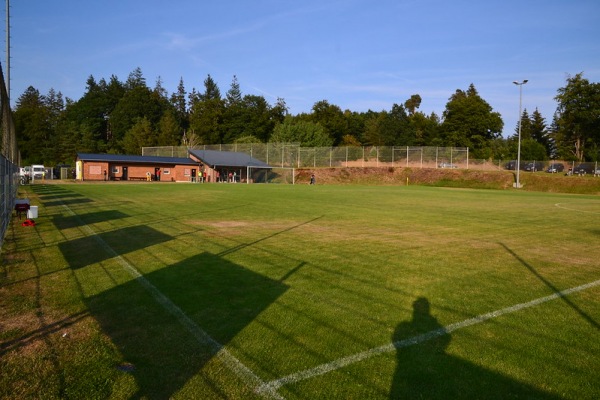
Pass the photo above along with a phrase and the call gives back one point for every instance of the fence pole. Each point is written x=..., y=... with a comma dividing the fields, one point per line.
x=363, y=156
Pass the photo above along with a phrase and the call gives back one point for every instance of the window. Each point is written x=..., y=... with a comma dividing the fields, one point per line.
x=166, y=171
x=115, y=170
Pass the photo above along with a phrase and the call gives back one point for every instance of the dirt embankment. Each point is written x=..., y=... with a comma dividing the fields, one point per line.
x=465, y=178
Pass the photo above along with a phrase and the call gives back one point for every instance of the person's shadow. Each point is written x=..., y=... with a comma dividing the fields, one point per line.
x=425, y=371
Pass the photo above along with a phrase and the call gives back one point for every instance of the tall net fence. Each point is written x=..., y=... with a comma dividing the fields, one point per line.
x=292, y=155
x=10, y=159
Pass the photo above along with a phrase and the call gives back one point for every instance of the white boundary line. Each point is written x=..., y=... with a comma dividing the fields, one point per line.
x=559, y=205
x=269, y=389
x=274, y=385
x=201, y=336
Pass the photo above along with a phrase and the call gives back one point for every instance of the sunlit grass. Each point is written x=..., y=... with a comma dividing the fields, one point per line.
x=288, y=278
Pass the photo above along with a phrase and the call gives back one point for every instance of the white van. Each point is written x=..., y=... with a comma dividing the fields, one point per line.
x=37, y=171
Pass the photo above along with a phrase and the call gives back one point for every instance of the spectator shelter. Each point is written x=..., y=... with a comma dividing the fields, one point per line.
x=115, y=167
x=228, y=166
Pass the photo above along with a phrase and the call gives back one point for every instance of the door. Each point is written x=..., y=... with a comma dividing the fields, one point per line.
x=125, y=175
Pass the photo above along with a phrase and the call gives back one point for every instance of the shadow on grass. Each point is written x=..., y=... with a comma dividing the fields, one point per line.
x=52, y=195
x=551, y=286
x=425, y=371
x=220, y=297
x=73, y=221
x=63, y=201
x=59, y=194
x=93, y=249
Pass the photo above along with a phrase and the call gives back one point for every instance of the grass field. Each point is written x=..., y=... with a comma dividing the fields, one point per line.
x=156, y=291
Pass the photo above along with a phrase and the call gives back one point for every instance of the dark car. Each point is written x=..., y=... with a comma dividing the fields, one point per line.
x=555, y=167
x=511, y=165
x=583, y=169
x=534, y=166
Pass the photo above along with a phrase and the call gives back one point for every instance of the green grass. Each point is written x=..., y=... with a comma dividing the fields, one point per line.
x=289, y=278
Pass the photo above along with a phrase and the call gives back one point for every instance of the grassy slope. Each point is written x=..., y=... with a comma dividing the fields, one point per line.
x=290, y=277
x=476, y=179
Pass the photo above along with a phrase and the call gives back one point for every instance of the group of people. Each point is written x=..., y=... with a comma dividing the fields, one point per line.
x=230, y=177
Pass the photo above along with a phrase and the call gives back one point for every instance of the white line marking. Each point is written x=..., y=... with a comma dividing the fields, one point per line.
x=201, y=336
x=559, y=205
x=322, y=369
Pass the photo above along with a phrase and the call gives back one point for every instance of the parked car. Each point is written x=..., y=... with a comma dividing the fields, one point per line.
x=447, y=165
x=534, y=166
x=583, y=169
x=555, y=167
x=38, y=171
x=511, y=165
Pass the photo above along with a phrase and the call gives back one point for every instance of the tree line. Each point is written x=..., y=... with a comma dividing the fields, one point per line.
x=122, y=117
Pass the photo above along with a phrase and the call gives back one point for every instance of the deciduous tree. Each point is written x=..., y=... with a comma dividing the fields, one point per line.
x=577, y=118
x=469, y=121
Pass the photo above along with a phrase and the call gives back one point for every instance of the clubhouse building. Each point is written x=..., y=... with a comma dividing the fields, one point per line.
x=200, y=166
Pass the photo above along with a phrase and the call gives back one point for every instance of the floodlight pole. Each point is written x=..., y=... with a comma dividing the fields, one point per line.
x=7, y=66
x=520, y=84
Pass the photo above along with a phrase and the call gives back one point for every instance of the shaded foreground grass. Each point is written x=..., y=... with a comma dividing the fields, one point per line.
x=289, y=278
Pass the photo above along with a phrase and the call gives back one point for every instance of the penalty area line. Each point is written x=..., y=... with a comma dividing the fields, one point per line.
x=560, y=205
x=274, y=385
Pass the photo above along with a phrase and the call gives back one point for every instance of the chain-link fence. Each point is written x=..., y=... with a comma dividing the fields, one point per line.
x=292, y=155
x=10, y=159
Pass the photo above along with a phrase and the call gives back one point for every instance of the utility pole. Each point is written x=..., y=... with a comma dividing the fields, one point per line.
x=8, y=50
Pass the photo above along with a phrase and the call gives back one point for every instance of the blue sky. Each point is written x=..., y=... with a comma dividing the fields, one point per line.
x=356, y=54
